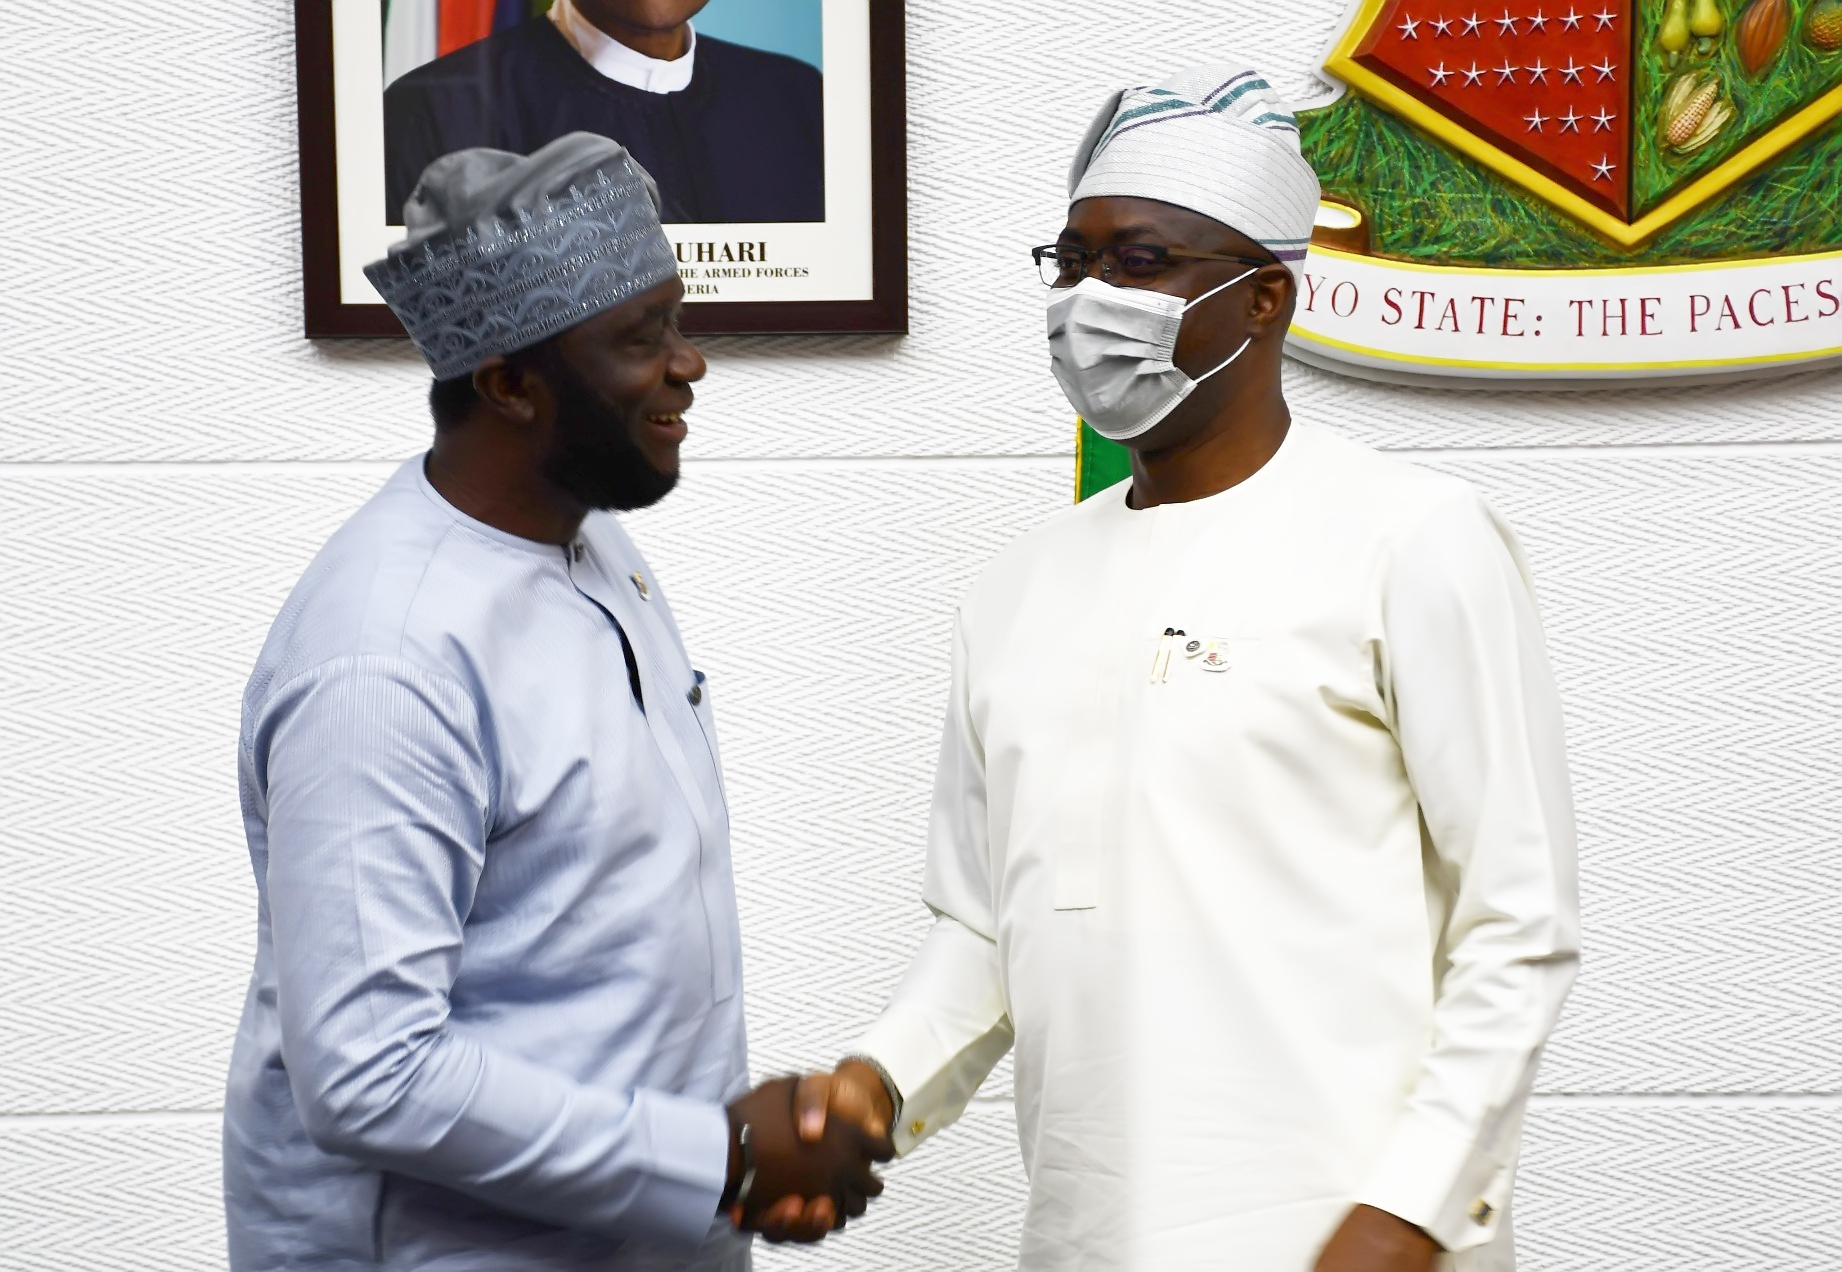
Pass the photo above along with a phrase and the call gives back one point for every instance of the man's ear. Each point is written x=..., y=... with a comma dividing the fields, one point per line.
x=1270, y=304
x=509, y=389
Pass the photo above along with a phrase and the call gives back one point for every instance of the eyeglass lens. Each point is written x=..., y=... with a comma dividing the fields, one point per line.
x=1065, y=264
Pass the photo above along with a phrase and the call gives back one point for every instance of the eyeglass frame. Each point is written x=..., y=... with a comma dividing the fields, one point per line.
x=1091, y=254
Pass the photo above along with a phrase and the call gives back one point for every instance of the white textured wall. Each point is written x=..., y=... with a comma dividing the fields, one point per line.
x=171, y=453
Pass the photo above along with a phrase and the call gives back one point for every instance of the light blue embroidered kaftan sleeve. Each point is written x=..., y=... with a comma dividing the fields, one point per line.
x=379, y=808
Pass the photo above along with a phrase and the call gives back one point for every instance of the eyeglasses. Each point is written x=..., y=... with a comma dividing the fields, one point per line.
x=1065, y=264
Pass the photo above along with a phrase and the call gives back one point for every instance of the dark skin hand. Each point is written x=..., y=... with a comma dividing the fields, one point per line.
x=1371, y=1240
x=832, y=1167
x=1235, y=420
x=1219, y=436
x=491, y=465
x=855, y=1094
x=655, y=28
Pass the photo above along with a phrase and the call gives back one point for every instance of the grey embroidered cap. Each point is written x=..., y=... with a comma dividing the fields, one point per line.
x=506, y=250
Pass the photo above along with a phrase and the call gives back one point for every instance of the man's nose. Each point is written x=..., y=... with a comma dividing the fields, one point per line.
x=686, y=364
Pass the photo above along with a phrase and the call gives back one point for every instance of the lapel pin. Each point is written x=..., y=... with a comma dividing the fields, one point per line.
x=640, y=584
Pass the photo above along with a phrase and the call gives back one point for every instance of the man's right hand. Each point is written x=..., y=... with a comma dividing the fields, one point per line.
x=804, y=1186
x=854, y=1092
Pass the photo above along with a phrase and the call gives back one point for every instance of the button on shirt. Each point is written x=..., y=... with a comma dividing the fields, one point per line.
x=496, y=1007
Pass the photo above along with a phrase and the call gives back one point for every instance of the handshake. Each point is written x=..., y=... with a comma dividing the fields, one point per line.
x=801, y=1151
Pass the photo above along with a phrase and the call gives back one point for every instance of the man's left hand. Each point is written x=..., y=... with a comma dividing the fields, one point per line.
x=1371, y=1240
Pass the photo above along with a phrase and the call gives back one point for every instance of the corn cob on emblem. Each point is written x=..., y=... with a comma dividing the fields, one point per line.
x=1694, y=111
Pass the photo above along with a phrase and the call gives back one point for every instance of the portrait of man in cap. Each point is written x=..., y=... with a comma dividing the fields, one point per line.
x=731, y=133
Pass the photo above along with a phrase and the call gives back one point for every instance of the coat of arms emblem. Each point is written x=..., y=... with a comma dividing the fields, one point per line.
x=1582, y=190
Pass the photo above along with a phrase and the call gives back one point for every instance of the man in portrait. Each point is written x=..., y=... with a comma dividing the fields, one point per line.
x=730, y=133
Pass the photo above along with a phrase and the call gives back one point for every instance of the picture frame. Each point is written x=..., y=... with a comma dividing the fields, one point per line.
x=847, y=273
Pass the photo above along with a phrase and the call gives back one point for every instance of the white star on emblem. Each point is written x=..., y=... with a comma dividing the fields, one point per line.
x=1605, y=20
x=1440, y=74
x=1571, y=21
x=1410, y=29
x=1538, y=22
x=1474, y=76
x=1571, y=120
x=1441, y=26
x=1537, y=72
x=1536, y=120
x=1471, y=25
x=1506, y=74
x=1572, y=72
x=1603, y=120
x=1603, y=168
x=1507, y=23
x=1606, y=70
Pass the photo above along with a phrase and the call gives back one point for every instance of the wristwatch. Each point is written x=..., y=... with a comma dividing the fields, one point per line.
x=744, y=1147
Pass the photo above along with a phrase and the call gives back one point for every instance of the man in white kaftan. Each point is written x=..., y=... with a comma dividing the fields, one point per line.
x=1251, y=834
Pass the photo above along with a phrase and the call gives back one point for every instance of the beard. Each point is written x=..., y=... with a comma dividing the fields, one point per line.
x=593, y=457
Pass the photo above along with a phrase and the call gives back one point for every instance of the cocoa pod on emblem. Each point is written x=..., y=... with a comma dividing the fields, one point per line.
x=1760, y=32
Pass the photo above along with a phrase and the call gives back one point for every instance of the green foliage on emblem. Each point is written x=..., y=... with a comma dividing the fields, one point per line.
x=1747, y=66
x=1426, y=202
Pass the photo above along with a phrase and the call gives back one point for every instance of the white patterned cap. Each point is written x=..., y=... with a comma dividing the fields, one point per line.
x=1214, y=139
x=507, y=250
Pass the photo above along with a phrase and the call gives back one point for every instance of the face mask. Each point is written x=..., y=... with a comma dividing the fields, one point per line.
x=1111, y=350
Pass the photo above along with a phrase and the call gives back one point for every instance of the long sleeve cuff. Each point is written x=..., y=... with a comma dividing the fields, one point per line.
x=936, y=1084
x=943, y=1032
x=1440, y=1182
x=689, y=1142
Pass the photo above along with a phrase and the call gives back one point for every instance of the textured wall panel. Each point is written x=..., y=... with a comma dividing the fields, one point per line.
x=1694, y=606
x=1680, y=1187
x=137, y=1195
x=131, y=610
x=169, y=324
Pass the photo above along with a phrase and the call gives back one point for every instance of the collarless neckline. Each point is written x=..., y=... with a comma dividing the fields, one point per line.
x=558, y=552
x=1249, y=487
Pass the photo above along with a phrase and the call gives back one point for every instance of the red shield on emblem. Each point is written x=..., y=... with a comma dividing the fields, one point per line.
x=1626, y=116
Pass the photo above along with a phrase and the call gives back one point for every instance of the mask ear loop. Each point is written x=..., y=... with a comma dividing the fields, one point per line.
x=1230, y=283
x=1238, y=352
x=1231, y=357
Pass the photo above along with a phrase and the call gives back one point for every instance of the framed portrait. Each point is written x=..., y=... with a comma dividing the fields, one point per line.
x=775, y=130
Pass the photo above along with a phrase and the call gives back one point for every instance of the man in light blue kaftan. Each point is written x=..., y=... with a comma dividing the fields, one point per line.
x=496, y=1014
